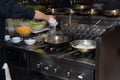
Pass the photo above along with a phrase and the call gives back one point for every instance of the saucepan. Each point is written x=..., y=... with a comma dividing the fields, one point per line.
x=115, y=12
x=84, y=46
x=57, y=40
x=54, y=10
x=92, y=12
x=70, y=11
x=82, y=7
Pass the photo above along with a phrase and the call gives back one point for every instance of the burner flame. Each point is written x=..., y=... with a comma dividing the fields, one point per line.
x=52, y=49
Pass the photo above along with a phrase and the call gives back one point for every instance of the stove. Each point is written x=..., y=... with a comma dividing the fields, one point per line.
x=65, y=63
x=66, y=51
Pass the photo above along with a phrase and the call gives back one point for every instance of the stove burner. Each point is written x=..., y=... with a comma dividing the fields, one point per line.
x=76, y=55
x=66, y=52
x=79, y=55
x=54, y=49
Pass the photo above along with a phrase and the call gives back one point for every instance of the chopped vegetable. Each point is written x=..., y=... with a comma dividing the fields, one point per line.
x=24, y=31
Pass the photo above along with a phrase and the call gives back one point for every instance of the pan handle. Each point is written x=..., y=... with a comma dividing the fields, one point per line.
x=113, y=24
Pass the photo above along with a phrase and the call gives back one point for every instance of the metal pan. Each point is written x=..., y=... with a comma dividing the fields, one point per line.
x=84, y=46
x=57, y=40
x=92, y=12
x=82, y=7
x=70, y=11
x=115, y=12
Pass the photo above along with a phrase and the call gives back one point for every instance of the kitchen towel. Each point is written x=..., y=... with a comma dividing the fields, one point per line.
x=7, y=73
x=52, y=22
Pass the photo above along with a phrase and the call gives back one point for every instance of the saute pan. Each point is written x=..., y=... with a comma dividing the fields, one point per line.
x=84, y=46
x=115, y=12
x=57, y=40
x=82, y=7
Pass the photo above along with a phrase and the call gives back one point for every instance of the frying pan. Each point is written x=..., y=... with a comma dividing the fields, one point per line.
x=115, y=12
x=70, y=11
x=84, y=46
x=57, y=40
x=82, y=7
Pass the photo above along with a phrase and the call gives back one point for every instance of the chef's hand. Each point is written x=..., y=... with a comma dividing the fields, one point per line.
x=49, y=18
x=52, y=21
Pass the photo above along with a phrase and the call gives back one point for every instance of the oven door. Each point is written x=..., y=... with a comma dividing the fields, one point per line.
x=16, y=57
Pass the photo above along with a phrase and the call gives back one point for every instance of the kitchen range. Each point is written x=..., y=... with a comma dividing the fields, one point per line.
x=44, y=61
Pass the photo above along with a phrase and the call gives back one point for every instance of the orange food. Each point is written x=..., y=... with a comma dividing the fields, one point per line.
x=24, y=31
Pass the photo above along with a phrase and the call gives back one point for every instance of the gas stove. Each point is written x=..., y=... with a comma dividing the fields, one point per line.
x=63, y=62
x=65, y=52
x=66, y=63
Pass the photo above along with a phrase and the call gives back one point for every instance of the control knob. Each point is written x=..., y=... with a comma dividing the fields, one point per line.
x=46, y=68
x=55, y=70
x=39, y=65
x=68, y=74
x=81, y=76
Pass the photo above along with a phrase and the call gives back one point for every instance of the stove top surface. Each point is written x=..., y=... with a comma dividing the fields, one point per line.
x=63, y=52
x=66, y=52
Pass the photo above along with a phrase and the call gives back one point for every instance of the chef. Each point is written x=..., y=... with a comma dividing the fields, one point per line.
x=12, y=9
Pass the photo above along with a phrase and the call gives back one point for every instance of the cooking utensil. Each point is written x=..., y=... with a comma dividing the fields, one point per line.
x=82, y=7
x=57, y=40
x=115, y=12
x=84, y=46
x=54, y=10
x=92, y=12
x=70, y=11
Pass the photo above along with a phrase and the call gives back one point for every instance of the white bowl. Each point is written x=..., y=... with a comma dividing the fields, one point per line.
x=30, y=41
x=16, y=39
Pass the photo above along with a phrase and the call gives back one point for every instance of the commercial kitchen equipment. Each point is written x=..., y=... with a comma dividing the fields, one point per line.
x=43, y=62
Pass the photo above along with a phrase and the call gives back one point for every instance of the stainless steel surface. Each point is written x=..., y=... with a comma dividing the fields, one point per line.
x=66, y=63
x=87, y=28
x=70, y=17
x=97, y=22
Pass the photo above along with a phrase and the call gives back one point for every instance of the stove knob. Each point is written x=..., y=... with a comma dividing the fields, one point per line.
x=39, y=65
x=46, y=68
x=81, y=77
x=55, y=70
x=68, y=74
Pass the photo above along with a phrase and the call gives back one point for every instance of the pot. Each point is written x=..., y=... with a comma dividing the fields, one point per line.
x=92, y=12
x=84, y=46
x=70, y=11
x=54, y=10
x=57, y=40
x=115, y=12
x=82, y=7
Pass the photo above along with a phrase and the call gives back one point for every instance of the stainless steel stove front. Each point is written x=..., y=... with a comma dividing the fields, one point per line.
x=62, y=68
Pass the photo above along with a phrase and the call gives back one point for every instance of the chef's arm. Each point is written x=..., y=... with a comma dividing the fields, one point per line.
x=11, y=9
x=49, y=18
x=40, y=15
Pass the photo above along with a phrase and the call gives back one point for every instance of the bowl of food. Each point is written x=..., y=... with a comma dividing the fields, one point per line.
x=24, y=31
x=37, y=26
x=84, y=46
x=29, y=41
